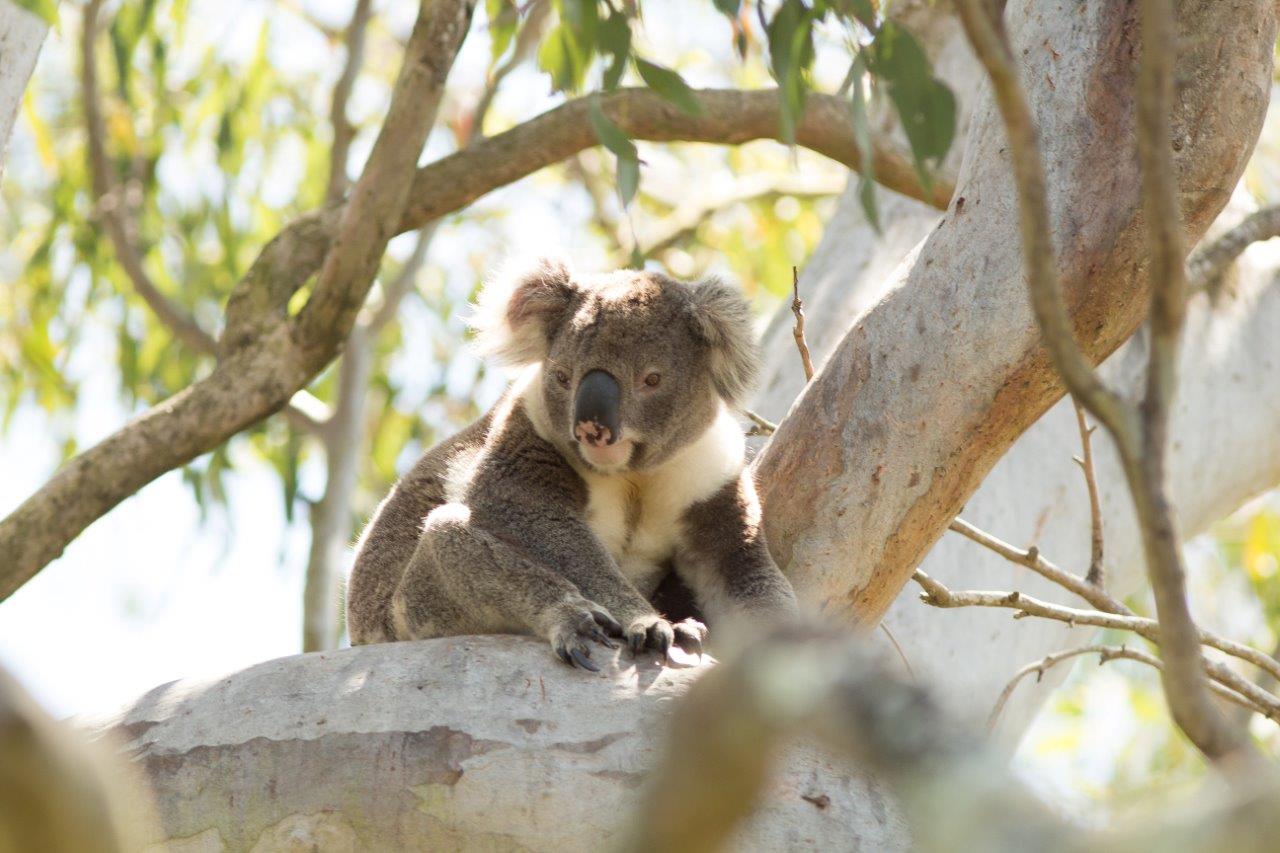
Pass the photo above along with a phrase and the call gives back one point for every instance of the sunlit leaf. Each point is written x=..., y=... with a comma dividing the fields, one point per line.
x=670, y=86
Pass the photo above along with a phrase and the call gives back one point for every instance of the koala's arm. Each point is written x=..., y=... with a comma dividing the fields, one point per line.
x=518, y=554
x=726, y=560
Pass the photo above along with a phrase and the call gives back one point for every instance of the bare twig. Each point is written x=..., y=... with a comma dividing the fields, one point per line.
x=760, y=425
x=1096, y=575
x=1034, y=560
x=1105, y=654
x=343, y=131
x=1208, y=263
x=797, y=308
x=937, y=595
x=537, y=13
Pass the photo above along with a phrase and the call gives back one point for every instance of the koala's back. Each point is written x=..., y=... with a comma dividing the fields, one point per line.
x=381, y=560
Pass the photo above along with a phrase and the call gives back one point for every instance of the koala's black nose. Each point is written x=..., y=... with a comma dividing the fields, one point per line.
x=597, y=409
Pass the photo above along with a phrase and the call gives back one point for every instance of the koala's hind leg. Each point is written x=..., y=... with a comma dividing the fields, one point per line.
x=463, y=579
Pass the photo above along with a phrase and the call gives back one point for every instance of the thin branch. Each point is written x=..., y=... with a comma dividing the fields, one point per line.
x=684, y=220
x=536, y=17
x=990, y=43
x=938, y=595
x=343, y=130
x=1183, y=676
x=797, y=308
x=1096, y=575
x=1032, y=559
x=1207, y=264
x=111, y=206
x=1105, y=654
x=760, y=426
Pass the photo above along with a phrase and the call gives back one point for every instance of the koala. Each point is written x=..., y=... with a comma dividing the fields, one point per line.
x=613, y=459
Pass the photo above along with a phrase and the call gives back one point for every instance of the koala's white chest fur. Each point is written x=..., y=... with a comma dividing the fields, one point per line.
x=637, y=516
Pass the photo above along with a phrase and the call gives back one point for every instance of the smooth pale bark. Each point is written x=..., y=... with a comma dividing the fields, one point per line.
x=21, y=34
x=934, y=384
x=462, y=743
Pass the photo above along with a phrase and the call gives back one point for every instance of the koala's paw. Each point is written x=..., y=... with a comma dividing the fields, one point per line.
x=576, y=625
x=654, y=632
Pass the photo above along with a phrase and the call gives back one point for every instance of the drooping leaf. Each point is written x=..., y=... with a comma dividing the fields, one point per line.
x=790, y=34
x=862, y=138
x=504, y=20
x=615, y=40
x=628, y=159
x=925, y=106
x=562, y=57
x=670, y=86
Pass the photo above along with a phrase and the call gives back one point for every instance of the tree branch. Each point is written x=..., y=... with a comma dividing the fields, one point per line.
x=986, y=33
x=1032, y=559
x=1096, y=576
x=1183, y=677
x=264, y=359
x=110, y=202
x=1209, y=262
x=305, y=413
x=937, y=595
x=729, y=117
x=1106, y=654
x=378, y=200
x=343, y=131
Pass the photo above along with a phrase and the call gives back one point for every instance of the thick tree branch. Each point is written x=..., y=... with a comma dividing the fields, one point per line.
x=369, y=219
x=729, y=117
x=984, y=26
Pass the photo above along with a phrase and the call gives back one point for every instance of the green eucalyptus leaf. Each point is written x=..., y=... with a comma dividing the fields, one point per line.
x=614, y=38
x=612, y=137
x=562, y=57
x=670, y=86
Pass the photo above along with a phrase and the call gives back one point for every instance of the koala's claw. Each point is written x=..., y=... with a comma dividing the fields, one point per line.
x=689, y=636
x=576, y=627
x=654, y=632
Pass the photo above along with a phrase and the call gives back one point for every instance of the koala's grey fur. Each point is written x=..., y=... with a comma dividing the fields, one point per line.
x=507, y=527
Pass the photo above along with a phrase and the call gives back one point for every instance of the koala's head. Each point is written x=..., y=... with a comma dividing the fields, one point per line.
x=634, y=364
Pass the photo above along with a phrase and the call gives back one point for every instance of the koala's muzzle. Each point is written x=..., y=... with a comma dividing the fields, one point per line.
x=597, y=409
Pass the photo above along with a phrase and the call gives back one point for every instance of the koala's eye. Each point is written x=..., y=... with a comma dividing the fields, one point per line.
x=562, y=378
x=653, y=380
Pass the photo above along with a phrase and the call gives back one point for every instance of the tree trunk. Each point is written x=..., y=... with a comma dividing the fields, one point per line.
x=932, y=386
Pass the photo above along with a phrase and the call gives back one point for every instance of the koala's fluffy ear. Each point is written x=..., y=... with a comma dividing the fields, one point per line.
x=722, y=318
x=519, y=309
